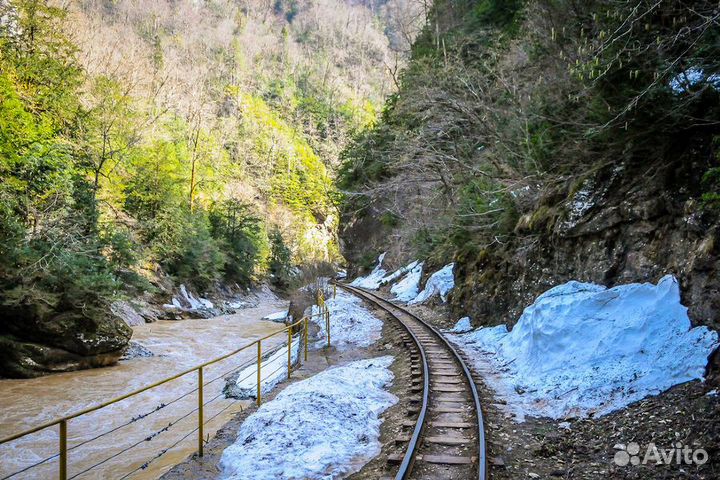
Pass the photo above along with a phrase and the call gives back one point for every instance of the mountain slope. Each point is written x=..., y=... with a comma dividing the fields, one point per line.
x=538, y=142
x=148, y=144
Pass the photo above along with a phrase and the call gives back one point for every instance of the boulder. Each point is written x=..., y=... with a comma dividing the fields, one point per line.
x=35, y=341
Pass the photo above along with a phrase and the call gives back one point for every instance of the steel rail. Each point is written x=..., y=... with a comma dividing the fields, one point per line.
x=409, y=458
x=377, y=299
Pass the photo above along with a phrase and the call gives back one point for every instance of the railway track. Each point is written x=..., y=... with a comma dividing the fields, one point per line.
x=444, y=437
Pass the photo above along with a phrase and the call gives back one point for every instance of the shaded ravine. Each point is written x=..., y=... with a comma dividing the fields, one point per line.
x=177, y=346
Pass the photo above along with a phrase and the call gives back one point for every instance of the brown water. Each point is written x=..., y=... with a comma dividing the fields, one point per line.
x=177, y=346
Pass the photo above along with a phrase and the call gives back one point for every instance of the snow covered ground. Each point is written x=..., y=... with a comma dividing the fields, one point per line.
x=439, y=283
x=351, y=324
x=409, y=287
x=272, y=371
x=462, y=326
x=374, y=280
x=581, y=348
x=324, y=427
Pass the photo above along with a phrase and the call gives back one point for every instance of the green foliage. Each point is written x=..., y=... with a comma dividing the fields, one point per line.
x=243, y=238
x=108, y=173
x=281, y=267
x=51, y=257
x=501, y=128
x=711, y=181
x=189, y=252
x=360, y=162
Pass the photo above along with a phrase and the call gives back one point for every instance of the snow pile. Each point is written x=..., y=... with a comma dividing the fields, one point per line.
x=409, y=287
x=462, y=326
x=273, y=371
x=277, y=316
x=440, y=282
x=187, y=301
x=372, y=281
x=324, y=427
x=398, y=273
x=351, y=324
x=195, y=303
x=582, y=348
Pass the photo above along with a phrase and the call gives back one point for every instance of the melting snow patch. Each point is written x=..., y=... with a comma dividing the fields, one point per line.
x=398, y=273
x=195, y=303
x=374, y=280
x=440, y=282
x=582, y=348
x=409, y=287
x=277, y=316
x=351, y=324
x=273, y=370
x=324, y=427
x=462, y=326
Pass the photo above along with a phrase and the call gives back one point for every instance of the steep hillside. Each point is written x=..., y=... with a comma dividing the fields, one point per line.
x=148, y=144
x=537, y=142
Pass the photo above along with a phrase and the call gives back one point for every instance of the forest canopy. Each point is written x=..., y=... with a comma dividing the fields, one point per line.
x=192, y=139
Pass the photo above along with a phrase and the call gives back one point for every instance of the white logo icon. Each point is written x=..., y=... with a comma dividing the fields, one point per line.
x=679, y=454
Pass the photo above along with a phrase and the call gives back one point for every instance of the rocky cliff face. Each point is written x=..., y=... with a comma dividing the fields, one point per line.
x=627, y=223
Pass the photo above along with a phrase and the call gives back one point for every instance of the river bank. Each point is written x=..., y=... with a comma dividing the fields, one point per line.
x=176, y=345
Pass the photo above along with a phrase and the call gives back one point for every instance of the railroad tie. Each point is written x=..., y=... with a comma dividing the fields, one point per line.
x=395, y=458
x=448, y=388
x=447, y=381
x=450, y=398
x=449, y=410
x=446, y=459
x=452, y=424
x=447, y=440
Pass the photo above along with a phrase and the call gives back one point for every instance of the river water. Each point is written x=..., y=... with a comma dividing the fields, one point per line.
x=177, y=346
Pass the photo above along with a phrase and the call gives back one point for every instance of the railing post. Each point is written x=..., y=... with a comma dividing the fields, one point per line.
x=307, y=336
x=327, y=324
x=200, y=411
x=63, y=450
x=259, y=375
x=289, y=351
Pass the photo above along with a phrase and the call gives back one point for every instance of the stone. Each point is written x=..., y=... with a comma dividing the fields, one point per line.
x=127, y=312
x=35, y=341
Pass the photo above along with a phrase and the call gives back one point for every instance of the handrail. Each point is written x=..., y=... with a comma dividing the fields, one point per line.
x=141, y=390
x=303, y=323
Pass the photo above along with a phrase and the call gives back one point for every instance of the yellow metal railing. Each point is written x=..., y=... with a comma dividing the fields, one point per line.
x=62, y=422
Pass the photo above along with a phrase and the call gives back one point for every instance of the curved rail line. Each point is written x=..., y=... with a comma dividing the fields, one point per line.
x=443, y=395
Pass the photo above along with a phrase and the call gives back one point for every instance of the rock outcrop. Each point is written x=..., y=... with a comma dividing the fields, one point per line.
x=615, y=229
x=36, y=341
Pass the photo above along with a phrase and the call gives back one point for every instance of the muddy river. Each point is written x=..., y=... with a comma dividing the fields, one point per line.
x=177, y=346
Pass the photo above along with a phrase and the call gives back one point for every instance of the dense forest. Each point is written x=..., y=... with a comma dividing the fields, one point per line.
x=544, y=141
x=187, y=141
